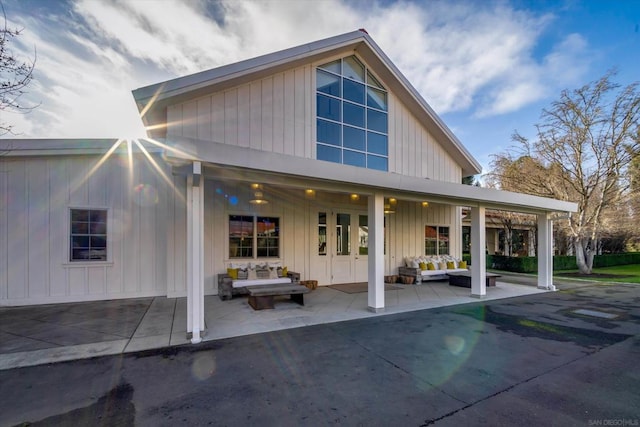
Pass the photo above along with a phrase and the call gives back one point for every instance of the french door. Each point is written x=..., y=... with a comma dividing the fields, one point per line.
x=349, y=235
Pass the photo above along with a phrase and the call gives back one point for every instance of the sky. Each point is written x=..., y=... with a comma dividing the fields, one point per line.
x=488, y=68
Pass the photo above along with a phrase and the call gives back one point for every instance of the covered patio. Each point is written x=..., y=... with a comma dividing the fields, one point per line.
x=33, y=335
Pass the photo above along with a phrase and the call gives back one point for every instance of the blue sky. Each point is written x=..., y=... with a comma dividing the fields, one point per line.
x=487, y=67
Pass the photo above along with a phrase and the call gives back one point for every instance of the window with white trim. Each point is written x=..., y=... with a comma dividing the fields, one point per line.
x=88, y=236
x=352, y=119
x=436, y=240
x=254, y=236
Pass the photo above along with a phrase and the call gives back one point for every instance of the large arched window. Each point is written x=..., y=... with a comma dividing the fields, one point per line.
x=351, y=108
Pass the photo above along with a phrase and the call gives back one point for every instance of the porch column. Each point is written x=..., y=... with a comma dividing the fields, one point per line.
x=545, y=252
x=376, y=253
x=195, y=254
x=478, y=255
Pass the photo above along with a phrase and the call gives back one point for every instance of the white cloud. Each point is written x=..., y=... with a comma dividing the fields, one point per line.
x=460, y=56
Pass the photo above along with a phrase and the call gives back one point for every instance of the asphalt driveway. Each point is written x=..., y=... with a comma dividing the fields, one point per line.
x=563, y=358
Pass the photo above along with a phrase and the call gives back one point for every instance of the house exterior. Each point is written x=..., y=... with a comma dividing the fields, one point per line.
x=321, y=157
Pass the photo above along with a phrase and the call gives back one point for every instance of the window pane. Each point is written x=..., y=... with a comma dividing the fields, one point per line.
x=98, y=228
x=377, y=143
x=354, y=138
x=353, y=68
x=376, y=99
x=377, y=121
x=430, y=240
x=328, y=153
x=328, y=83
x=98, y=242
x=329, y=108
x=329, y=133
x=79, y=227
x=98, y=216
x=363, y=235
x=333, y=66
x=353, y=91
x=79, y=215
x=377, y=163
x=343, y=232
x=240, y=236
x=354, y=158
x=373, y=81
x=443, y=240
x=353, y=114
x=80, y=241
x=322, y=233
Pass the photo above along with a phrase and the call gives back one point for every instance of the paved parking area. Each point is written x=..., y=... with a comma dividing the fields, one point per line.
x=529, y=360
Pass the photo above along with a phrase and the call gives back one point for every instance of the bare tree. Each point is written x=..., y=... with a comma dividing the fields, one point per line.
x=15, y=75
x=585, y=144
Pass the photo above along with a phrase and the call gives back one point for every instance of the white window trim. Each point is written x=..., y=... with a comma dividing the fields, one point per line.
x=67, y=227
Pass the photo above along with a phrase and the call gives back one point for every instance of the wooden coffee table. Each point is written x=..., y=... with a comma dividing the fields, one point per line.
x=261, y=297
x=463, y=279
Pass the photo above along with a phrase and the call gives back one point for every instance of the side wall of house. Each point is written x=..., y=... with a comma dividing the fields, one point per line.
x=36, y=195
x=278, y=114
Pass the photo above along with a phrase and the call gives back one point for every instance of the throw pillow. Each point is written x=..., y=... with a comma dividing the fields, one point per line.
x=233, y=273
x=463, y=264
x=442, y=265
x=285, y=272
x=423, y=266
x=451, y=265
x=431, y=266
x=273, y=273
x=251, y=274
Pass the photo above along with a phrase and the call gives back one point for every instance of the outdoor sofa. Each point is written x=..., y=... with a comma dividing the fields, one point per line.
x=239, y=276
x=424, y=268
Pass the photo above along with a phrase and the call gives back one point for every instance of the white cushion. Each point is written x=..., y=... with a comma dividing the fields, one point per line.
x=257, y=282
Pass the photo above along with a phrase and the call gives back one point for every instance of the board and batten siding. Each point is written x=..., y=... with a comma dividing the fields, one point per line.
x=36, y=194
x=277, y=114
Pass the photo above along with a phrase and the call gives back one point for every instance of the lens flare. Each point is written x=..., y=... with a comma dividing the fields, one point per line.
x=203, y=366
x=145, y=195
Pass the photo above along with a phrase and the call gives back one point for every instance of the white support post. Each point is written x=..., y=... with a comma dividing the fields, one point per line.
x=545, y=252
x=376, y=253
x=195, y=254
x=478, y=255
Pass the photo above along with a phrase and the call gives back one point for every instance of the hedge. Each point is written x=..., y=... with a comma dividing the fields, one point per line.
x=564, y=262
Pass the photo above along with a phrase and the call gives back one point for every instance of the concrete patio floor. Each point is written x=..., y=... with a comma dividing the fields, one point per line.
x=34, y=335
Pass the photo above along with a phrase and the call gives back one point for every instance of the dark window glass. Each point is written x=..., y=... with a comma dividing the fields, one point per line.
x=88, y=238
x=328, y=83
x=333, y=66
x=353, y=91
x=354, y=158
x=376, y=99
x=329, y=133
x=354, y=138
x=240, y=236
x=328, y=108
x=268, y=236
x=377, y=143
x=353, y=68
x=331, y=154
x=377, y=121
x=377, y=162
x=353, y=114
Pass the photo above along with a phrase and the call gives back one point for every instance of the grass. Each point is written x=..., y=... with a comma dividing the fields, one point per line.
x=625, y=273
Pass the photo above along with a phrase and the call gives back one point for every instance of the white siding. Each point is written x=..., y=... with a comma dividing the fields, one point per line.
x=298, y=225
x=36, y=195
x=277, y=114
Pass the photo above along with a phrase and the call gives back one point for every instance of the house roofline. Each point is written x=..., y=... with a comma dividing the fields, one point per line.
x=153, y=100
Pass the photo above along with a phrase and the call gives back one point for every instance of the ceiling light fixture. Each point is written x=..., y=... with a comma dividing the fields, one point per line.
x=258, y=199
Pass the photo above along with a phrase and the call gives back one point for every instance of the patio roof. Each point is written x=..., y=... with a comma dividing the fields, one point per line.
x=224, y=161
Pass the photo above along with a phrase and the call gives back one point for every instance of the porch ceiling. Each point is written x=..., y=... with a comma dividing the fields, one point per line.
x=222, y=161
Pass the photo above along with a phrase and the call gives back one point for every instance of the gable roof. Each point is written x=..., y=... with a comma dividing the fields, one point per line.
x=152, y=101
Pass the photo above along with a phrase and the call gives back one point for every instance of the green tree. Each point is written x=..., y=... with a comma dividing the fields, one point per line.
x=582, y=152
